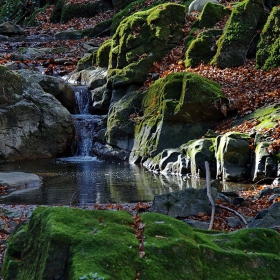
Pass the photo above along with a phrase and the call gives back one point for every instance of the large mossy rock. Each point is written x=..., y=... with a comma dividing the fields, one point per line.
x=176, y=109
x=142, y=39
x=210, y=15
x=268, y=53
x=136, y=6
x=65, y=243
x=201, y=48
x=33, y=123
x=246, y=19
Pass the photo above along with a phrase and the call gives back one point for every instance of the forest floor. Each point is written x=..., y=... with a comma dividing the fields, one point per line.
x=246, y=87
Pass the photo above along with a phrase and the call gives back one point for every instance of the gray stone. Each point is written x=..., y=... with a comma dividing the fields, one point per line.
x=197, y=5
x=36, y=53
x=184, y=203
x=33, y=123
x=56, y=86
x=9, y=28
x=197, y=224
x=234, y=222
x=267, y=219
x=19, y=179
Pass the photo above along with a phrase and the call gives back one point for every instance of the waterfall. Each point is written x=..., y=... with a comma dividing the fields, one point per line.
x=82, y=97
x=85, y=126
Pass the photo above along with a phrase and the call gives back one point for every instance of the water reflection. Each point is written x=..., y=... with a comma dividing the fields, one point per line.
x=85, y=183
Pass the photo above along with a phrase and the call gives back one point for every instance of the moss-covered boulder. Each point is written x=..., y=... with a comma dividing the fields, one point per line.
x=142, y=39
x=65, y=243
x=246, y=19
x=203, y=48
x=102, y=55
x=210, y=15
x=200, y=44
x=176, y=109
x=136, y=6
x=232, y=155
x=268, y=53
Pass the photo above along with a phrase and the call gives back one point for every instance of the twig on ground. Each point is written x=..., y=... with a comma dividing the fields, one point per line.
x=235, y=212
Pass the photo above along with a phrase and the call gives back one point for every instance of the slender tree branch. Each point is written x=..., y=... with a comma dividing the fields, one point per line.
x=208, y=186
x=235, y=212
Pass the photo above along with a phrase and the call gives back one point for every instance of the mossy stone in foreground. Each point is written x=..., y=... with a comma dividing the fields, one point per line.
x=66, y=243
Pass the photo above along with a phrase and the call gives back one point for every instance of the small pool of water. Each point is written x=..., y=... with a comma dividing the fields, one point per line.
x=84, y=182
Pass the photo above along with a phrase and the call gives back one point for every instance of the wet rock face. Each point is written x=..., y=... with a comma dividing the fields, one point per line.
x=33, y=123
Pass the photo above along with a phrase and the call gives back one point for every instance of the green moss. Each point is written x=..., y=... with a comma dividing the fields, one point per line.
x=198, y=254
x=142, y=39
x=87, y=61
x=202, y=49
x=268, y=48
x=135, y=7
x=103, y=243
x=246, y=18
x=79, y=240
x=173, y=95
x=102, y=56
x=210, y=15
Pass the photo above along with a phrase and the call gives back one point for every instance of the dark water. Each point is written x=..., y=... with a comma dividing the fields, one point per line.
x=88, y=182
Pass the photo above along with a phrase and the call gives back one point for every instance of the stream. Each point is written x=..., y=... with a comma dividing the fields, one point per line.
x=83, y=180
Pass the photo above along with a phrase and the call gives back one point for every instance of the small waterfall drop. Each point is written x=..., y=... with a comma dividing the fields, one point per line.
x=85, y=125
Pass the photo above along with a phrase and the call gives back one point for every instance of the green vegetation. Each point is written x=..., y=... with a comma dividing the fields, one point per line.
x=246, y=18
x=82, y=244
x=268, y=48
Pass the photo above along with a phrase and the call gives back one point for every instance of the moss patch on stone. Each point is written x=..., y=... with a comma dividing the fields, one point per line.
x=210, y=15
x=71, y=243
x=67, y=243
x=142, y=39
x=202, y=49
x=268, y=48
x=136, y=6
x=246, y=18
x=102, y=56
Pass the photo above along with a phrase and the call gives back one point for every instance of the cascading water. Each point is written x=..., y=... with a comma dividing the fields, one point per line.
x=85, y=125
